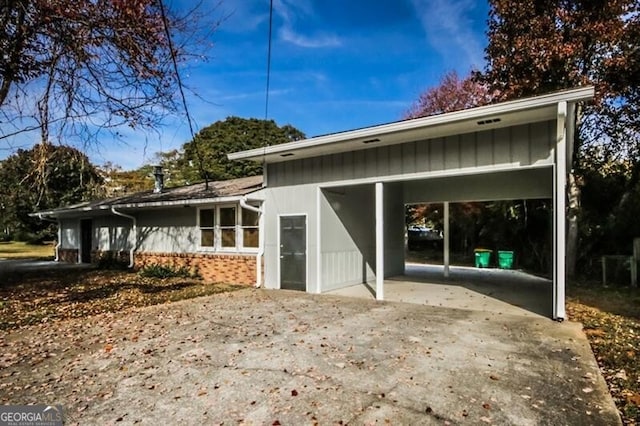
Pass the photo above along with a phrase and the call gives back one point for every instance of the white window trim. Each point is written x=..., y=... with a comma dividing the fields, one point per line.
x=237, y=247
x=240, y=232
x=199, y=229
x=217, y=231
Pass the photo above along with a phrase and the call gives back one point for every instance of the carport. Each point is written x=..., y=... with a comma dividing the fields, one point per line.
x=334, y=204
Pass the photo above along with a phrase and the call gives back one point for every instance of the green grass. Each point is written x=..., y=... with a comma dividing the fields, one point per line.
x=18, y=250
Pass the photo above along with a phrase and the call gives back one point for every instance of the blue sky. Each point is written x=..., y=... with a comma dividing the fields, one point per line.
x=336, y=65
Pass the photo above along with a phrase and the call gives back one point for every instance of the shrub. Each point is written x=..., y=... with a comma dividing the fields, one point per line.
x=167, y=271
x=111, y=260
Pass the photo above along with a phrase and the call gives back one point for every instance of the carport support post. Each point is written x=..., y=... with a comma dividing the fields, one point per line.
x=446, y=239
x=379, y=241
x=559, y=207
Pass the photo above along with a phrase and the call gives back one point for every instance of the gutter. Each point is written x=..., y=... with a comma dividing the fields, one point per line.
x=135, y=233
x=59, y=242
x=260, y=255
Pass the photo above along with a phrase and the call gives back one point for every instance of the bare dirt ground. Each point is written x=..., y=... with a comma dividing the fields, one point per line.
x=281, y=357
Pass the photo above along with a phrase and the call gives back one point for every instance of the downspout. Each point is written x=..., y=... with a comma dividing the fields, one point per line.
x=59, y=242
x=135, y=233
x=244, y=205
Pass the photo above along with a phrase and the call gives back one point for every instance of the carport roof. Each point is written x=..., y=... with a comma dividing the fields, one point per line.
x=505, y=114
x=198, y=193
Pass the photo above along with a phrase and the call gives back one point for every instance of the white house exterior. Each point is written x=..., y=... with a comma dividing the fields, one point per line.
x=333, y=207
x=213, y=230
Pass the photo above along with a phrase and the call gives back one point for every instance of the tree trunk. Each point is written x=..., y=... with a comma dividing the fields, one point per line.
x=573, y=204
x=573, y=200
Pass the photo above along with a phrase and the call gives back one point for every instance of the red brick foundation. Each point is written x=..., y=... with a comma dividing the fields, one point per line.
x=68, y=255
x=216, y=268
x=110, y=256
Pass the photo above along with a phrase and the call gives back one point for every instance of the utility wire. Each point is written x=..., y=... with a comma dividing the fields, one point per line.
x=266, y=103
x=174, y=62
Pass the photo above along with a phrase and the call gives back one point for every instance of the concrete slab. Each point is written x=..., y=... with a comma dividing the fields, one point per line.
x=490, y=290
x=286, y=357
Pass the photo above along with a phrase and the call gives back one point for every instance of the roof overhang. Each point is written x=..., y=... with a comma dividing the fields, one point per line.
x=505, y=114
x=106, y=208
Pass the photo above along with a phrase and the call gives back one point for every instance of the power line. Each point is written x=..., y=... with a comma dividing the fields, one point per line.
x=266, y=103
x=174, y=62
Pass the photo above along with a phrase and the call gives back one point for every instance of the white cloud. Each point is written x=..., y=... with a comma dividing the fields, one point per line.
x=301, y=14
x=449, y=29
x=289, y=35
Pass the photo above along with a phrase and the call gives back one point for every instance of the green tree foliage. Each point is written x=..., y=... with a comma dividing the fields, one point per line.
x=211, y=145
x=44, y=177
x=522, y=226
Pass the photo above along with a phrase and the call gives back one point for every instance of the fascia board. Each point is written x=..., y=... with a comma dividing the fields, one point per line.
x=533, y=103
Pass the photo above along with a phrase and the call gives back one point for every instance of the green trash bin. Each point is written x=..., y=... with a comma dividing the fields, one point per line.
x=483, y=256
x=505, y=259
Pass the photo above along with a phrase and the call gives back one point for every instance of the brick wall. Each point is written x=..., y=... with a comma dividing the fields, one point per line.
x=68, y=255
x=216, y=268
x=121, y=256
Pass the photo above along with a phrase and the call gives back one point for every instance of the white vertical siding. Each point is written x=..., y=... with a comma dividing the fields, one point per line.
x=112, y=233
x=523, y=145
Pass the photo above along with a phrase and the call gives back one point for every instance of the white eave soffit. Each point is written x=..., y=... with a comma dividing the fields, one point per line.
x=505, y=114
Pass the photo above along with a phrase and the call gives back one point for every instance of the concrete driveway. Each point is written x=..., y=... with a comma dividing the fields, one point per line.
x=8, y=266
x=284, y=357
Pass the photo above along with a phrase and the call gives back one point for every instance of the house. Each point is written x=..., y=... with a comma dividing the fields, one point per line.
x=334, y=205
x=212, y=228
x=330, y=210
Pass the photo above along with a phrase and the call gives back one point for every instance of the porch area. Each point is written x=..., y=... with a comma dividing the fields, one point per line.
x=495, y=291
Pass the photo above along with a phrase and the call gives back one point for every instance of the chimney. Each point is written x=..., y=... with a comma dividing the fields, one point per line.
x=159, y=176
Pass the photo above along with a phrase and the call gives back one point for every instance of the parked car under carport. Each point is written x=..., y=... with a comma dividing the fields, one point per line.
x=421, y=237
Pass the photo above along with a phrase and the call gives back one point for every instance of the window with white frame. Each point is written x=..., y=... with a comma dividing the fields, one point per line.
x=207, y=227
x=250, y=228
x=227, y=224
x=228, y=227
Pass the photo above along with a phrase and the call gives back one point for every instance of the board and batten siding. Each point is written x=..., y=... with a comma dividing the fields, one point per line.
x=518, y=146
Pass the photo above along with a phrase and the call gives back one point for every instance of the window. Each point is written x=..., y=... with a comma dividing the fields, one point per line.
x=228, y=227
x=250, y=229
x=207, y=227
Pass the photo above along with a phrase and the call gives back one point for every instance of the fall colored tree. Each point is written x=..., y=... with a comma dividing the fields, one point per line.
x=451, y=94
x=75, y=68
x=118, y=182
x=545, y=45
